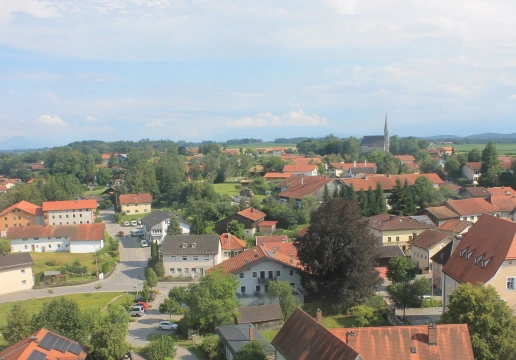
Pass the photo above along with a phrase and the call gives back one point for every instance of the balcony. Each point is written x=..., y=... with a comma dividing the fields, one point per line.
x=265, y=281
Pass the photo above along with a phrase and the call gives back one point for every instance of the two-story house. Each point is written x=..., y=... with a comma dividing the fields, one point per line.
x=297, y=187
x=301, y=169
x=231, y=245
x=342, y=169
x=135, y=203
x=485, y=254
x=20, y=214
x=250, y=218
x=15, y=273
x=471, y=209
x=80, y=238
x=190, y=255
x=425, y=245
x=69, y=212
x=155, y=226
x=257, y=266
x=471, y=171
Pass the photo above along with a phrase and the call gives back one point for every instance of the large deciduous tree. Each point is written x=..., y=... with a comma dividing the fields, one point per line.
x=174, y=228
x=237, y=229
x=18, y=324
x=163, y=348
x=108, y=341
x=283, y=291
x=490, y=169
x=254, y=350
x=490, y=320
x=401, y=269
x=170, y=306
x=338, y=254
x=151, y=277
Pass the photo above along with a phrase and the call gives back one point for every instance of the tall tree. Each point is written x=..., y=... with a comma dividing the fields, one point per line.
x=410, y=205
x=338, y=254
x=254, y=350
x=326, y=193
x=372, y=204
x=197, y=227
x=151, y=277
x=18, y=324
x=174, y=228
x=474, y=155
x=237, y=229
x=170, y=306
x=490, y=169
x=283, y=291
x=380, y=199
x=396, y=200
x=490, y=320
x=402, y=295
x=363, y=203
x=163, y=348
x=424, y=193
x=108, y=341
x=401, y=269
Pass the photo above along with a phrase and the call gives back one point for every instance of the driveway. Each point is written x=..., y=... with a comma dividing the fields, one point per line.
x=418, y=316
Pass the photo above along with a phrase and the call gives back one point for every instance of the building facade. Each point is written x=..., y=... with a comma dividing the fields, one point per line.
x=70, y=212
x=15, y=273
x=135, y=203
x=20, y=214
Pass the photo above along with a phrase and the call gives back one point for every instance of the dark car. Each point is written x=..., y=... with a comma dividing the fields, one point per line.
x=152, y=296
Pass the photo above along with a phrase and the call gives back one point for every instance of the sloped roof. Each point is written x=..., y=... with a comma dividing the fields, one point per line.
x=14, y=260
x=204, y=245
x=429, y=238
x=259, y=314
x=268, y=223
x=504, y=202
x=357, y=165
x=455, y=226
x=264, y=239
x=405, y=157
x=302, y=337
x=491, y=237
x=388, y=181
x=285, y=248
x=505, y=161
x=442, y=212
x=442, y=256
x=396, y=342
x=135, y=199
x=237, y=336
x=77, y=232
x=373, y=141
x=475, y=165
x=155, y=218
x=473, y=206
x=68, y=205
x=277, y=175
x=307, y=188
x=252, y=214
x=389, y=251
x=24, y=206
x=299, y=168
x=477, y=191
x=296, y=180
x=504, y=190
x=231, y=242
x=395, y=223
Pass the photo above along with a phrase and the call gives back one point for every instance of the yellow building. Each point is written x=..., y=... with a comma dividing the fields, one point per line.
x=485, y=254
x=135, y=203
x=16, y=272
x=396, y=230
x=20, y=214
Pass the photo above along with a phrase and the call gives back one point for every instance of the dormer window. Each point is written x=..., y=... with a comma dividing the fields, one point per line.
x=468, y=255
x=462, y=252
x=485, y=262
x=478, y=258
x=183, y=245
x=194, y=245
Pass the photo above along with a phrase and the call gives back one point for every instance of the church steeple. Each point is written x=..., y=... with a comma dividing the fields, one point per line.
x=386, y=141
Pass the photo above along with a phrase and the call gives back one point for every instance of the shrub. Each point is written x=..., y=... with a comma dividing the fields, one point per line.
x=118, y=217
x=105, y=268
x=79, y=270
x=77, y=262
x=51, y=263
x=210, y=345
x=159, y=269
x=428, y=303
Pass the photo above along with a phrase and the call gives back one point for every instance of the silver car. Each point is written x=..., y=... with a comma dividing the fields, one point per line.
x=137, y=310
x=167, y=325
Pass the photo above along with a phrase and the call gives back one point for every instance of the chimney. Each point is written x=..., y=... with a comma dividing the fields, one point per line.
x=414, y=235
x=365, y=178
x=390, y=176
x=302, y=180
x=432, y=334
x=354, y=163
x=251, y=209
x=351, y=339
x=319, y=316
x=365, y=162
x=251, y=332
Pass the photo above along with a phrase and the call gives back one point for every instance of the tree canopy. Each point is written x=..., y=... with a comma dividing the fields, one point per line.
x=254, y=350
x=401, y=269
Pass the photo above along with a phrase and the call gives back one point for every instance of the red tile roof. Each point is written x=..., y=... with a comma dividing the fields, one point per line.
x=301, y=160
x=393, y=223
x=303, y=338
x=3, y=188
x=405, y=158
x=135, y=199
x=455, y=226
x=106, y=156
x=295, y=180
x=429, y=238
x=474, y=165
x=442, y=212
x=347, y=166
x=255, y=254
x=492, y=238
x=299, y=168
x=252, y=214
x=268, y=223
x=24, y=206
x=388, y=182
x=473, y=206
x=277, y=175
x=397, y=342
x=451, y=186
x=504, y=190
x=506, y=161
x=506, y=203
x=285, y=248
x=307, y=188
x=231, y=242
x=79, y=232
x=261, y=240
x=68, y=205
x=23, y=349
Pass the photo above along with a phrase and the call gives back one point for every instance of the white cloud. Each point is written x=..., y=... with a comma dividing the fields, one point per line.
x=90, y=119
x=155, y=123
x=292, y=118
x=50, y=121
x=513, y=97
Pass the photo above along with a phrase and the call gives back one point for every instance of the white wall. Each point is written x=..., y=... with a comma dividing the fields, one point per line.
x=449, y=286
x=41, y=245
x=18, y=279
x=70, y=217
x=266, y=265
x=203, y=262
x=307, y=173
x=81, y=247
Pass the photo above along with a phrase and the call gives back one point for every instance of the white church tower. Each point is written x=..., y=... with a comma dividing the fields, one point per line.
x=386, y=136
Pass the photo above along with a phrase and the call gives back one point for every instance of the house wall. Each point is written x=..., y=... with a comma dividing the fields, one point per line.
x=473, y=218
x=17, y=279
x=268, y=326
x=371, y=148
x=279, y=356
x=226, y=254
x=132, y=209
x=250, y=227
x=418, y=255
x=267, y=229
x=499, y=281
x=404, y=236
x=203, y=263
x=157, y=232
x=449, y=286
x=86, y=246
x=53, y=244
x=469, y=173
x=70, y=217
x=307, y=173
x=18, y=218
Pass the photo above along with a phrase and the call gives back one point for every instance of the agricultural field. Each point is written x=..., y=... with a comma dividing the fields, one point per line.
x=264, y=145
x=503, y=149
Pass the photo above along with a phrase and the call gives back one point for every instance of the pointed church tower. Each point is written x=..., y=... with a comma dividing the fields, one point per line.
x=386, y=141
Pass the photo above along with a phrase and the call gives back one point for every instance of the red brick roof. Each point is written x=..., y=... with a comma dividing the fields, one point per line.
x=429, y=238
x=252, y=214
x=397, y=342
x=504, y=202
x=504, y=190
x=268, y=223
x=277, y=175
x=68, y=205
x=135, y=199
x=455, y=226
x=388, y=182
x=24, y=206
x=231, y=242
x=260, y=240
x=473, y=206
x=386, y=222
x=307, y=188
x=405, y=157
x=285, y=248
x=23, y=349
x=476, y=165
x=299, y=168
x=78, y=232
x=303, y=338
x=492, y=238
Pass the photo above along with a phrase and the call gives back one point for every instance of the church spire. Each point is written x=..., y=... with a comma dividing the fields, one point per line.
x=386, y=141
x=385, y=130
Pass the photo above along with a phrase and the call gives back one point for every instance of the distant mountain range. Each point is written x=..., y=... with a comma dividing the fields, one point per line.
x=484, y=136
x=21, y=143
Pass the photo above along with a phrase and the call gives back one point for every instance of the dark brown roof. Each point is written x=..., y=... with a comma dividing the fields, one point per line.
x=259, y=314
x=135, y=199
x=409, y=342
x=442, y=212
x=428, y=239
x=454, y=226
x=442, y=256
x=193, y=245
x=302, y=337
x=492, y=238
x=381, y=223
x=78, y=232
x=477, y=191
x=22, y=259
x=307, y=188
x=373, y=141
x=388, y=251
x=476, y=165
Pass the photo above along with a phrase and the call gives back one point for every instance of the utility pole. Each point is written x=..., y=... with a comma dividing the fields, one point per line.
x=96, y=263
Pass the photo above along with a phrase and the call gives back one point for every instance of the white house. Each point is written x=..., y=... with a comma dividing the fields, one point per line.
x=256, y=267
x=15, y=272
x=301, y=169
x=190, y=255
x=155, y=226
x=84, y=238
x=471, y=171
x=69, y=212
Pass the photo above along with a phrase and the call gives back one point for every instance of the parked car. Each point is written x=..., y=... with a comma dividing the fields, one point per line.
x=144, y=243
x=121, y=234
x=126, y=223
x=134, y=223
x=139, y=221
x=152, y=296
x=138, y=232
x=137, y=310
x=144, y=304
x=167, y=325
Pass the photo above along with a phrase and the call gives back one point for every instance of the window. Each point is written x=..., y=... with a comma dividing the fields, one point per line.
x=255, y=274
x=510, y=283
x=206, y=257
x=172, y=258
x=397, y=239
x=291, y=272
x=462, y=252
x=58, y=245
x=128, y=211
x=60, y=216
x=25, y=239
x=196, y=258
x=472, y=217
x=485, y=262
x=50, y=246
x=468, y=255
x=258, y=288
x=389, y=239
x=242, y=289
x=225, y=253
x=293, y=285
x=22, y=271
x=185, y=258
x=278, y=273
x=179, y=271
x=136, y=210
x=58, y=237
x=410, y=237
x=5, y=218
x=26, y=247
x=67, y=216
x=187, y=271
x=24, y=282
x=80, y=215
x=241, y=275
x=73, y=215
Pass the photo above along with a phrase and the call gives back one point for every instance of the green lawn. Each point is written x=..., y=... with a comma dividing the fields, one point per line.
x=99, y=190
x=329, y=321
x=226, y=189
x=269, y=335
x=260, y=145
x=61, y=258
x=503, y=149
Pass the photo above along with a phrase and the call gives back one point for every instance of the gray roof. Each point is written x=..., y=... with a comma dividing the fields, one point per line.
x=204, y=245
x=423, y=219
x=373, y=141
x=237, y=336
x=155, y=218
x=389, y=251
x=8, y=261
x=259, y=314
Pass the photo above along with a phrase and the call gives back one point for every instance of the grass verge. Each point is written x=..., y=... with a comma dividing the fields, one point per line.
x=269, y=335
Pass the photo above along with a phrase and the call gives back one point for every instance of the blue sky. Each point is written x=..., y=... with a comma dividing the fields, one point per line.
x=194, y=70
